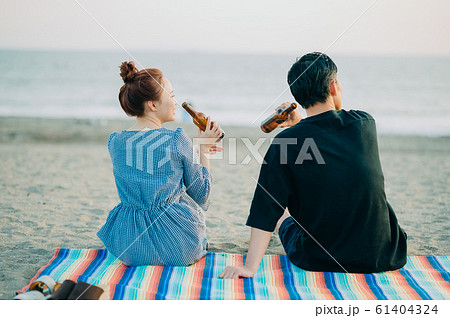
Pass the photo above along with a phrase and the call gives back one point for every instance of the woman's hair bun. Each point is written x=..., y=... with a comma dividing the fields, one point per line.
x=127, y=71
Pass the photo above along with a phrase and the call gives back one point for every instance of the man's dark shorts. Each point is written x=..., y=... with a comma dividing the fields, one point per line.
x=290, y=234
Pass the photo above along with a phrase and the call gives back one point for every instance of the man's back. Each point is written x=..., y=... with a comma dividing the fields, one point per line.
x=332, y=182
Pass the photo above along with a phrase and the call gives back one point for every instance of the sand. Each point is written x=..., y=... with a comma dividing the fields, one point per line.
x=57, y=187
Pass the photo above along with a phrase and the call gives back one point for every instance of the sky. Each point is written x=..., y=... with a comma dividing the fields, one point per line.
x=350, y=27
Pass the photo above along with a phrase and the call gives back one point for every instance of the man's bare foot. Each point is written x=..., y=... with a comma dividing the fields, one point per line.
x=283, y=217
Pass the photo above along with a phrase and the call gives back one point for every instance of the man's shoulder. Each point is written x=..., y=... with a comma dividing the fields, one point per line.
x=286, y=133
x=357, y=114
x=342, y=117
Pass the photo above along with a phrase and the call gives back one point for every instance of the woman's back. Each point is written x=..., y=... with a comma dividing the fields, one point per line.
x=161, y=186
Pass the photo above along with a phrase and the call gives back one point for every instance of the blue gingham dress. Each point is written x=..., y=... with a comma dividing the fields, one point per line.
x=163, y=189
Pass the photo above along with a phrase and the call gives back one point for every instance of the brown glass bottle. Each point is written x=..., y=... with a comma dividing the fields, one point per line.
x=199, y=118
x=277, y=118
x=45, y=285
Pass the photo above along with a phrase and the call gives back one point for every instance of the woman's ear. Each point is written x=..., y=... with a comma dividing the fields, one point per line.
x=151, y=105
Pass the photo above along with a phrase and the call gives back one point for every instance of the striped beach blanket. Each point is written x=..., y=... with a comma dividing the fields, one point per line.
x=423, y=277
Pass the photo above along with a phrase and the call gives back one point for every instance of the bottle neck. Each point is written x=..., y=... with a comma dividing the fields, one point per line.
x=289, y=108
x=190, y=110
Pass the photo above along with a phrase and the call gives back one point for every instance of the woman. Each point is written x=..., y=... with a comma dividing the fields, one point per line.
x=161, y=181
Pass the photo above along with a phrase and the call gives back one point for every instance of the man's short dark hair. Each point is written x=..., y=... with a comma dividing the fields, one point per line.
x=309, y=78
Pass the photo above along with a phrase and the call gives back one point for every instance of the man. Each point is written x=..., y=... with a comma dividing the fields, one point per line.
x=325, y=172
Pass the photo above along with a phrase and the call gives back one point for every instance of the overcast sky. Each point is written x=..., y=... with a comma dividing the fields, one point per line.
x=406, y=27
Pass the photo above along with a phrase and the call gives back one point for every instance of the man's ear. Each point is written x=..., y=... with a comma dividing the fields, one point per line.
x=151, y=105
x=333, y=88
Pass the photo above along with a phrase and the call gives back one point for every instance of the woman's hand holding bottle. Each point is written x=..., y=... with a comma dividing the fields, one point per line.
x=207, y=138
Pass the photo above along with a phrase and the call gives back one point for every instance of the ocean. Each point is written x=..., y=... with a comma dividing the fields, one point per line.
x=405, y=95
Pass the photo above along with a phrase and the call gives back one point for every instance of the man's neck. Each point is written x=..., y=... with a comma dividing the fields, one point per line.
x=320, y=108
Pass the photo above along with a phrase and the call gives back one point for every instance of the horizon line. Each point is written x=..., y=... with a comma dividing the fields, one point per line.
x=195, y=51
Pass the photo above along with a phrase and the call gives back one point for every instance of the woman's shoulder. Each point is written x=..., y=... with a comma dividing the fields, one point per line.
x=138, y=133
x=182, y=139
x=111, y=137
x=180, y=132
x=135, y=136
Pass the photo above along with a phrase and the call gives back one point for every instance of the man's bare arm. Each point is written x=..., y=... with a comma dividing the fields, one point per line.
x=259, y=240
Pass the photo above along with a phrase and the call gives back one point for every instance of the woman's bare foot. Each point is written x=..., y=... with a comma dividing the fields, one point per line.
x=283, y=217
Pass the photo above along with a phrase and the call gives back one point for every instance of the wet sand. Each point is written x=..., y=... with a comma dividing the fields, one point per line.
x=57, y=187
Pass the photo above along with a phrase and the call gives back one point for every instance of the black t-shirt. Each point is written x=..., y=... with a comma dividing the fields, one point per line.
x=327, y=171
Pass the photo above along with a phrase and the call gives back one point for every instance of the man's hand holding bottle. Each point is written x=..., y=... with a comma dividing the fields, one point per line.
x=293, y=117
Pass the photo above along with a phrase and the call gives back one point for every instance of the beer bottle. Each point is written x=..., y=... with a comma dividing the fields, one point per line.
x=199, y=119
x=44, y=284
x=277, y=118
